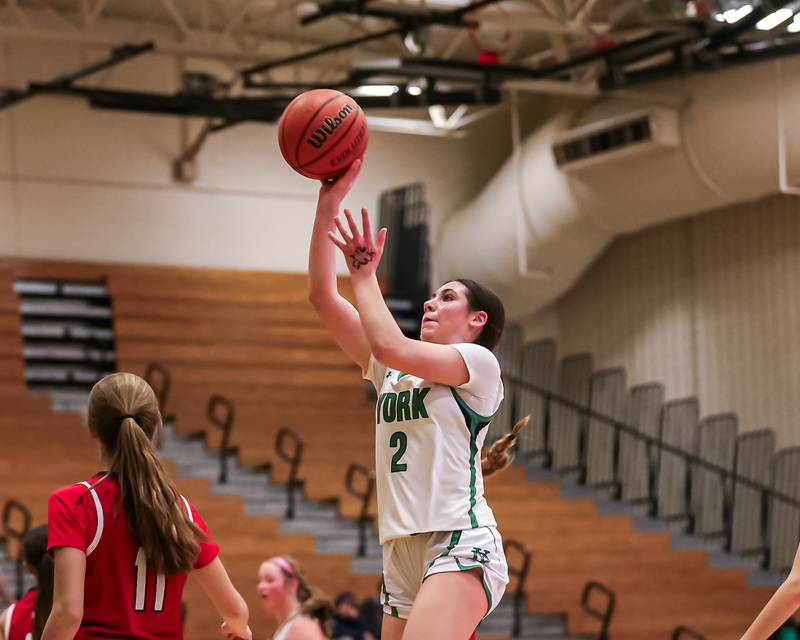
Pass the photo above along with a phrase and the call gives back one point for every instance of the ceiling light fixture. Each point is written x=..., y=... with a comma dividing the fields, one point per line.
x=774, y=19
x=734, y=15
x=375, y=90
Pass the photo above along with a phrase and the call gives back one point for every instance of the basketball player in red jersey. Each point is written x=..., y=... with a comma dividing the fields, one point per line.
x=24, y=620
x=124, y=540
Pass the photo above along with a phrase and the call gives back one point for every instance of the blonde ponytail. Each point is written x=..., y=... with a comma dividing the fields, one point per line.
x=123, y=410
x=500, y=454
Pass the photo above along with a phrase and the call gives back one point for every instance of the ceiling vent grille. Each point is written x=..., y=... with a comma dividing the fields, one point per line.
x=615, y=138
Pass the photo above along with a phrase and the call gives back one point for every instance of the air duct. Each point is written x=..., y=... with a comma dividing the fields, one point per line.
x=630, y=166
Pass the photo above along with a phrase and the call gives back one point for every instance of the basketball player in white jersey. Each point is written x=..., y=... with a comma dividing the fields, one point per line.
x=443, y=564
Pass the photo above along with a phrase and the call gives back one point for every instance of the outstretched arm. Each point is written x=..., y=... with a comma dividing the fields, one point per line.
x=337, y=314
x=436, y=362
x=784, y=602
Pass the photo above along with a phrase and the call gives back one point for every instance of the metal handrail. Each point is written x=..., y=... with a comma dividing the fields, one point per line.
x=521, y=574
x=293, y=458
x=687, y=633
x=621, y=427
x=225, y=424
x=364, y=519
x=604, y=616
x=10, y=532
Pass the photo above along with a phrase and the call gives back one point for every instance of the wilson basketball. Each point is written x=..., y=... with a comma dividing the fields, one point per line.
x=321, y=132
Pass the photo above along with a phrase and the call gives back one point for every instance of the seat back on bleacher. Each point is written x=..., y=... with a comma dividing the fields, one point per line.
x=716, y=445
x=539, y=368
x=784, y=518
x=608, y=398
x=637, y=460
x=509, y=354
x=754, y=453
x=678, y=429
x=566, y=423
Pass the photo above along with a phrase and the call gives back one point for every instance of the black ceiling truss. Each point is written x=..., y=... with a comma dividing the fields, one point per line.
x=688, y=47
x=406, y=21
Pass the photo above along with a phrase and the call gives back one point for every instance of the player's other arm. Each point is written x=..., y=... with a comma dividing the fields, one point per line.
x=784, y=602
x=67, y=612
x=230, y=605
x=337, y=314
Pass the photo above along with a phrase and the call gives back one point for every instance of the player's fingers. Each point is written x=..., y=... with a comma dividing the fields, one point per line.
x=342, y=231
x=366, y=228
x=336, y=241
x=352, y=224
x=382, y=239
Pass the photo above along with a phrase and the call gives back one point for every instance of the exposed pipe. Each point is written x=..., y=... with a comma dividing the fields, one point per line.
x=522, y=213
x=783, y=171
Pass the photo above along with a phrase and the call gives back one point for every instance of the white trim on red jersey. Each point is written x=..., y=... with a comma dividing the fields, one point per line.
x=99, y=508
x=7, y=626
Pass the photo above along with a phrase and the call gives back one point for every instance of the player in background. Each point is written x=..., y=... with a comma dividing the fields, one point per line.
x=444, y=566
x=24, y=620
x=302, y=612
x=124, y=541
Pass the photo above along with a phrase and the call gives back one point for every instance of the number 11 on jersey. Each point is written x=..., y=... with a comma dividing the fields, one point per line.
x=141, y=584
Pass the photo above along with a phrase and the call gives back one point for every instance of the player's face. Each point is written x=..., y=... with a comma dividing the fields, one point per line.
x=271, y=586
x=446, y=315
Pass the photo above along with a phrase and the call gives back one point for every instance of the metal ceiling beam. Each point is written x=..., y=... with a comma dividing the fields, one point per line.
x=107, y=32
x=313, y=53
x=406, y=22
x=229, y=111
x=64, y=82
x=684, y=68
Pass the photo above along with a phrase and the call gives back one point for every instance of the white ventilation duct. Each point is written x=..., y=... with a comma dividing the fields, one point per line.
x=722, y=147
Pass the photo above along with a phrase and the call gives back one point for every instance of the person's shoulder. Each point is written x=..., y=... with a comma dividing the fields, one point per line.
x=305, y=628
x=476, y=351
x=73, y=493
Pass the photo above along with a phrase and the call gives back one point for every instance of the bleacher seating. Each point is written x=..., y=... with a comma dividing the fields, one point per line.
x=31, y=432
x=253, y=338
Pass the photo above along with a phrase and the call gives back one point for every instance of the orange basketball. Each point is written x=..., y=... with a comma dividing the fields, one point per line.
x=321, y=132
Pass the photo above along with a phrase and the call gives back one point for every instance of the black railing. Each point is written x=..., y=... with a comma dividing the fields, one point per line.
x=589, y=418
x=365, y=495
x=604, y=614
x=293, y=458
x=14, y=510
x=221, y=413
x=685, y=633
x=519, y=571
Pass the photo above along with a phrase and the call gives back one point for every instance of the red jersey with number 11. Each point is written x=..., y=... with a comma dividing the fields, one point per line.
x=123, y=597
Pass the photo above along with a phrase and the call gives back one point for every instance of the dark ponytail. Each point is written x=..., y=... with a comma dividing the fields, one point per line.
x=44, y=595
x=123, y=410
x=480, y=298
x=34, y=550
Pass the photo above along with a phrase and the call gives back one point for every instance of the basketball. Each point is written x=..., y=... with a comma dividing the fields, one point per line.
x=321, y=132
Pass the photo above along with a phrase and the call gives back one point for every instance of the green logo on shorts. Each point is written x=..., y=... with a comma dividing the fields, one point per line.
x=480, y=555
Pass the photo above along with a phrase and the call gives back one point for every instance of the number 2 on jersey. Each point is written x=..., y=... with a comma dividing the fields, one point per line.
x=398, y=439
x=141, y=584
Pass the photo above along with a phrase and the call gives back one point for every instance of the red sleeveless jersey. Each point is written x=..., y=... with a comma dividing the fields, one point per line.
x=19, y=617
x=123, y=597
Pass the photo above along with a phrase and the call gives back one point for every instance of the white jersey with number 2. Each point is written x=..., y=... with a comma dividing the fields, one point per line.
x=428, y=441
